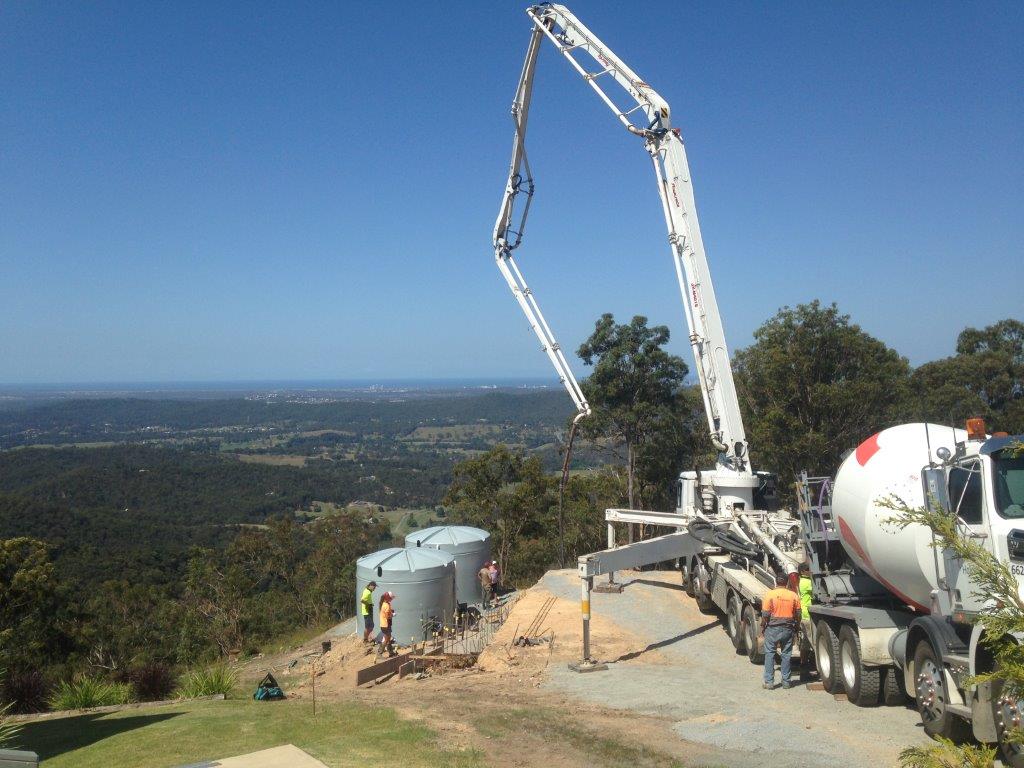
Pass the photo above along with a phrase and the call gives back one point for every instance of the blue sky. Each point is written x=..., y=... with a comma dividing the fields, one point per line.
x=203, y=191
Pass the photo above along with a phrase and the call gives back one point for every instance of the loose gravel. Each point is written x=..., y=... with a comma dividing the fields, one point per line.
x=714, y=696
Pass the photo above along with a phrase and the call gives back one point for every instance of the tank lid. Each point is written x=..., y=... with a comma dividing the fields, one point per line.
x=403, y=560
x=441, y=535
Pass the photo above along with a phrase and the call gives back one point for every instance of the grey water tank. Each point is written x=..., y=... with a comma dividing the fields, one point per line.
x=471, y=548
x=423, y=581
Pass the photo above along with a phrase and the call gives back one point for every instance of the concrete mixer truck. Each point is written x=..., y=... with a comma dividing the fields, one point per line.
x=892, y=614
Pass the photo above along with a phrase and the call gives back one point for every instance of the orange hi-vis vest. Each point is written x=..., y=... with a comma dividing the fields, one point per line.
x=783, y=605
x=385, y=615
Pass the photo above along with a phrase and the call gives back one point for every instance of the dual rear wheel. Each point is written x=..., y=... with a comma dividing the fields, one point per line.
x=841, y=666
x=734, y=623
x=741, y=624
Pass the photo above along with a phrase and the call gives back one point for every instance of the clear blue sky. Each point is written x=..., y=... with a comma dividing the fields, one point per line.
x=203, y=191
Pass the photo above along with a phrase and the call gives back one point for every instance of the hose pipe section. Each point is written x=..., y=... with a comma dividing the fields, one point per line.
x=706, y=533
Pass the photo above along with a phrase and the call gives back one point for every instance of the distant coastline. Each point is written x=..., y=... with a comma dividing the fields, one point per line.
x=266, y=389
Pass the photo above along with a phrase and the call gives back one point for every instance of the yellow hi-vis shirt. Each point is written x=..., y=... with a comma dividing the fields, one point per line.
x=805, y=597
x=366, y=601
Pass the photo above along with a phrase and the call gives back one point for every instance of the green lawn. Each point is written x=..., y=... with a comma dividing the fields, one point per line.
x=600, y=749
x=340, y=735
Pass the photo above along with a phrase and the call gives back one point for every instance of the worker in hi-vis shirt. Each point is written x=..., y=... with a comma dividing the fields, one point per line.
x=366, y=608
x=780, y=618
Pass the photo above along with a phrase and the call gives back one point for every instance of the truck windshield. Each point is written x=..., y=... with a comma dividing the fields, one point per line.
x=1008, y=481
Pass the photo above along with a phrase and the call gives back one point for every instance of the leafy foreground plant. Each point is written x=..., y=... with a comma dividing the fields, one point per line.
x=8, y=730
x=208, y=682
x=1002, y=617
x=88, y=692
x=948, y=755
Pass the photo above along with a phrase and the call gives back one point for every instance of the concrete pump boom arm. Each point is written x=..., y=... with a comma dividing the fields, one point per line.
x=648, y=117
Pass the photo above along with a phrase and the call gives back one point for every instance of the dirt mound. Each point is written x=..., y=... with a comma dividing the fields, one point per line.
x=563, y=629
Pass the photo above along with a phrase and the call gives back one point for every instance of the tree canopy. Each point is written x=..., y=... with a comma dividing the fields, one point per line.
x=984, y=378
x=812, y=386
x=636, y=388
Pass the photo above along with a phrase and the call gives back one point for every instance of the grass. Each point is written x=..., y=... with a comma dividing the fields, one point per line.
x=341, y=735
x=208, y=682
x=452, y=432
x=273, y=459
x=600, y=750
x=89, y=692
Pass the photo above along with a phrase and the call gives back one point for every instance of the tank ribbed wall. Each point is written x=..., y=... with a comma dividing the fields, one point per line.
x=423, y=582
x=471, y=548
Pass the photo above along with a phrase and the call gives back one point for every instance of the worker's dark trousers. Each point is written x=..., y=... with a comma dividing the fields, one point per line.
x=781, y=637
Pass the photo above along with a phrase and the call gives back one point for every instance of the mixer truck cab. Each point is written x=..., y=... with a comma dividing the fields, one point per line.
x=892, y=615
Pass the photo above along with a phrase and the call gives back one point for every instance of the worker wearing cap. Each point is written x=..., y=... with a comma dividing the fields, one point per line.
x=780, y=618
x=387, y=614
x=806, y=589
x=366, y=609
x=484, y=577
x=495, y=578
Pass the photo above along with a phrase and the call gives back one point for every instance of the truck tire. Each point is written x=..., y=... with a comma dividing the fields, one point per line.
x=705, y=604
x=826, y=657
x=893, y=694
x=863, y=684
x=734, y=623
x=1004, y=710
x=701, y=586
x=751, y=633
x=932, y=696
x=687, y=571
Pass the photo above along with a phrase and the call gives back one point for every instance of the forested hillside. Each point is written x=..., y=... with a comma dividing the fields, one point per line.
x=145, y=534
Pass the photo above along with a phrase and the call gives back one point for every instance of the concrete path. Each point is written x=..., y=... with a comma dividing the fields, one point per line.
x=287, y=756
x=714, y=696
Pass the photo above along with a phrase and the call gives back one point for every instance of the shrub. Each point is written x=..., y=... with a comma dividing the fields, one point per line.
x=208, y=682
x=87, y=692
x=153, y=681
x=8, y=730
x=26, y=691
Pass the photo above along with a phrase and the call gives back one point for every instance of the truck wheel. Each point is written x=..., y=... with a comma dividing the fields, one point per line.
x=932, y=696
x=734, y=623
x=893, y=694
x=687, y=571
x=701, y=583
x=705, y=604
x=826, y=657
x=751, y=635
x=1009, y=713
x=863, y=684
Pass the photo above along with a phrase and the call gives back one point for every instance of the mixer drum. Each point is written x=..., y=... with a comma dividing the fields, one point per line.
x=888, y=465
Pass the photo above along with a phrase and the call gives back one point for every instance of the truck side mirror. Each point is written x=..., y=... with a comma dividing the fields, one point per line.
x=936, y=498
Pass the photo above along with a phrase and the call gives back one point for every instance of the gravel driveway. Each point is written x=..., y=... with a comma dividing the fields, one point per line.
x=714, y=696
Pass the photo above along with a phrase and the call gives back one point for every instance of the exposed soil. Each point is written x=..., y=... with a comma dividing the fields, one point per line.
x=688, y=698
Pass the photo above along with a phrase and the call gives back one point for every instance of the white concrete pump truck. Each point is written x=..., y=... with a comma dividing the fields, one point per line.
x=730, y=538
x=891, y=614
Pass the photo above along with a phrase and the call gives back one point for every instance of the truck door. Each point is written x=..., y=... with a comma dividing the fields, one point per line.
x=966, y=499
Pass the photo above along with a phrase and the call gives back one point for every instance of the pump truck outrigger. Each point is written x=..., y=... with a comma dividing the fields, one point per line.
x=891, y=616
x=730, y=540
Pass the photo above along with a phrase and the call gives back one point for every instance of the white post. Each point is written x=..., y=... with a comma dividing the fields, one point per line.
x=585, y=586
x=611, y=545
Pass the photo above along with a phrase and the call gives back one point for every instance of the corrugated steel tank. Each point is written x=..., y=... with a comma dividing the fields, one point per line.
x=423, y=582
x=471, y=548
